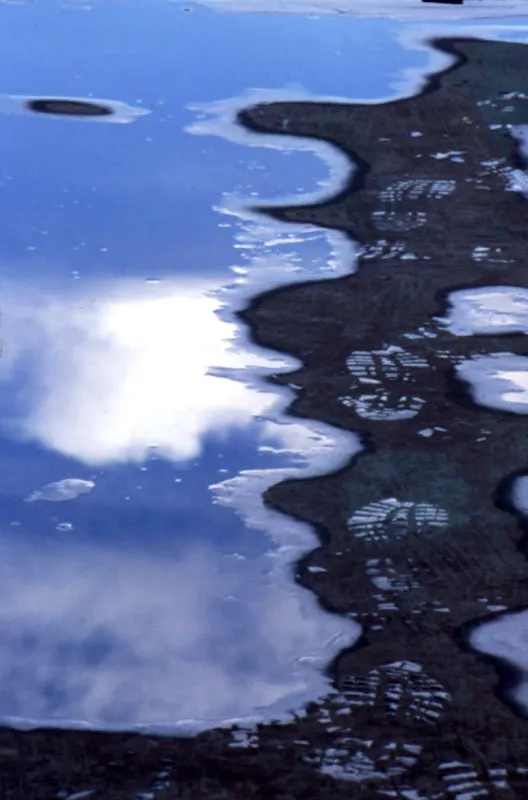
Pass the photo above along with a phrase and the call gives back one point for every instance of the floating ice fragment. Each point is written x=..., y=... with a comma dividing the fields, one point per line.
x=517, y=181
x=57, y=492
x=64, y=526
x=519, y=494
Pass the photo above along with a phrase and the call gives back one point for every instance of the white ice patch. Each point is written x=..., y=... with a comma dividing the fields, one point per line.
x=487, y=310
x=384, y=370
x=149, y=369
x=80, y=795
x=426, y=433
x=118, y=111
x=68, y=489
x=499, y=380
x=506, y=637
x=518, y=182
x=520, y=132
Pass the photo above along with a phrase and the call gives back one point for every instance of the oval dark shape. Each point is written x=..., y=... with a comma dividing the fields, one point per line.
x=75, y=108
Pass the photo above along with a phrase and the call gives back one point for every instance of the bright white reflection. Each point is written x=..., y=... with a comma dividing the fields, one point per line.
x=114, y=373
x=115, y=637
x=498, y=381
x=506, y=637
x=488, y=310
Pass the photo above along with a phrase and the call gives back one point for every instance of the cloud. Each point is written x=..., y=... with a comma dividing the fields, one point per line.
x=112, y=110
x=112, y=373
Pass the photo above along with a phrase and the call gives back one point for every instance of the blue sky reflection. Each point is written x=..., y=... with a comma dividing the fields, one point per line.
x=163, y=596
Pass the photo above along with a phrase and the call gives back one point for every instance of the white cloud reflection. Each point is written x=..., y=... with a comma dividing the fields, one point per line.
x=498, y=380
x=115, y=637
x=114, y=373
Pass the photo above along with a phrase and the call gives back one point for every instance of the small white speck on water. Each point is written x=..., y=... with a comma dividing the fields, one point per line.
x=426, y=432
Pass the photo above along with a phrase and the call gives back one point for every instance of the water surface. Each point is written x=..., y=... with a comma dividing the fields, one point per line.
x=144, y=582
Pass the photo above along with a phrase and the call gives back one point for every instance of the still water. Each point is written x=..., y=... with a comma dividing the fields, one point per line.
x=143, y=581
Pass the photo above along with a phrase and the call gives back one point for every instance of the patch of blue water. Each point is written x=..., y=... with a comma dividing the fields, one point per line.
x=143, y=582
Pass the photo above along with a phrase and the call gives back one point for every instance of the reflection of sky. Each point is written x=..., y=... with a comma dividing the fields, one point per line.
x=143, y=601
x=111, y=633
x=499, y=381
x=398, y=9
x=127, y=384
x=79, y=190
x=147, y=600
